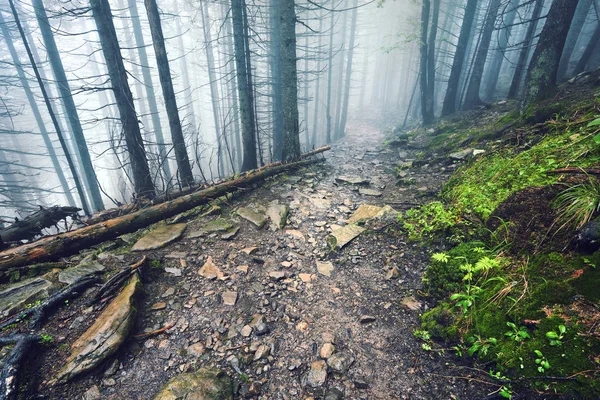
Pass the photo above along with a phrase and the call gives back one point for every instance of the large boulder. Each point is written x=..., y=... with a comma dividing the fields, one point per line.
x=204, y=384
x=105, y=336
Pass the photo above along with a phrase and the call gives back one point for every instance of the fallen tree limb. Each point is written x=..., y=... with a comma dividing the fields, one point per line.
x=9, y=382
x=586, y=171
x=116, y=281
x=68, y=243
x=39, y=313
x=32, y=225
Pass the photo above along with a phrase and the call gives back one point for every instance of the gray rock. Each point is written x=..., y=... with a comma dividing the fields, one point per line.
x=92, y=393
x=204, y=384
x=230, y=234
x=317, y=374
x=344, y=235
x=278, y=214
x=461, y=155
x=71, y=275
x=340, y=362
x=353, y=180
x=15, y=297
x=253, y=214
x=215, y=226
x=334, y=394
x=159, y=237
x=370, y=192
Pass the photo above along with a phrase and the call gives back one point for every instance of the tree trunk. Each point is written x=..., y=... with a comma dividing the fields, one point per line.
x=581, y=15
x=315, y=128
x=276, y=79
x=149, y=87
x=61, y=139
x=36, y=112
x=244, y=88
x=329, y=73
x=32, y=225
x=426, y=100
x=289, y=79
x=124, y=99
x=67, y=98
x=185, y=76
x=164, y=73
x=234, y=95
x=458, y=63
x=341, y=56
x=71, y=242
x=515, y=86
x=541, y=75
x=350, y=60
x=587, y=53
x=472, y=98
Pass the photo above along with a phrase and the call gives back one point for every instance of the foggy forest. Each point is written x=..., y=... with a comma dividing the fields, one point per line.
x=323, y=199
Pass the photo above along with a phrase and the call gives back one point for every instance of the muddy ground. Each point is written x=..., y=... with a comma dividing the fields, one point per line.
x=300, y=316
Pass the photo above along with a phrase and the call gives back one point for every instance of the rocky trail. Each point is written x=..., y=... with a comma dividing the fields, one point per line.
x=251, y=296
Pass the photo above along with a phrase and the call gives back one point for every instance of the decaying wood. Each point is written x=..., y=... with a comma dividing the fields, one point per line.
x=582, y=171
x=38, y=313
x=32, y=225
x=68, y=243
x=116, y=281
x=9, y=381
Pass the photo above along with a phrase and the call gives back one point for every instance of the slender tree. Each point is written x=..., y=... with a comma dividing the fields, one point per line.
x=91, y=181
x=349, y=63
x=329, y=74
x=276, y=78
x=581, y=15
x=124, y=99
x=587, y=53
x=541, y=75
x=166, y=82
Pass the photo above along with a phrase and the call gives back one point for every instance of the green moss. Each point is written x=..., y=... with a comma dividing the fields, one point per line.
x=588, y=284
x=440, y=323
x=429, y=220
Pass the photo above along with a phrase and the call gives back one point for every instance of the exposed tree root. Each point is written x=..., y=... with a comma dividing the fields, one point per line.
x=116, y=281
x=9, y=382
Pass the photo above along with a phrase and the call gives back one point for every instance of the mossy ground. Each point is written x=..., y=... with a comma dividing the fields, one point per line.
x=503, y=308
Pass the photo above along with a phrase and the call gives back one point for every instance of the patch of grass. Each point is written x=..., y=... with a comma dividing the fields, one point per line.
x=431, y=219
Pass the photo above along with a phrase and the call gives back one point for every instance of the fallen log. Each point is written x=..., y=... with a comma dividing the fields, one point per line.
x=32, y=225
x=9, y=382
x=64, y=244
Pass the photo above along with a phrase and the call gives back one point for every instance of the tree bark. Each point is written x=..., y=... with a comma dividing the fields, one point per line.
x=458, y=63
x=32, y=225
x=349, y=62
x=541, y=75
x=472, y=98
x=587, y=53
x=315, y=128
x=426, y=100
x=276, y=79
x=289, y=78
x=166, y=82
x=118, y=76
x=329, y=73
x=91, y=180
x=576, y=27
x=71, y=242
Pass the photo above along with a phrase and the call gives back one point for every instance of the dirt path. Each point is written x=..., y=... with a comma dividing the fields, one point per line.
x=301, y=312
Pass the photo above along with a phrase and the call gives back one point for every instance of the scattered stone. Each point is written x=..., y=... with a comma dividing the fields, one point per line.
x=334, y=394
x=17, y=296
x=325, y=267
x=307, y=277
x=249, y=250
x=411, y=303
x=340, y=362
x=286, y=264
x=230, y=234
x=92, y=393
x=277, y=275
x=477, y=152
x=296, y=234
x=215, y=226
x=169, y=292
x=204, y=384
x=158, y=306
x=392, y=273
x=176, y=255
x=341, y=237
x=253, y=215
x=317, y=374
x=278, y=214
x=196, y=349
x=173, y=271
x=210, y=271
x=243, y=269
x=105, y=336
x=263, y=351
x=326, y=350
x=246, y=331
x=405, y=165
x=367, y=319
x=85, y=268
x=159, y=237
x=370, y=192
x=461, y=155
x=229, y=298
x=364, y=212
x=353, y=180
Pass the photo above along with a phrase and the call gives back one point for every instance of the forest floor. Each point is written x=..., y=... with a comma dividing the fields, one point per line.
x=350, y=303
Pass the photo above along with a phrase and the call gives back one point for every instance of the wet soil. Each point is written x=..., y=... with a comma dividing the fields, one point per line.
x=300, y=316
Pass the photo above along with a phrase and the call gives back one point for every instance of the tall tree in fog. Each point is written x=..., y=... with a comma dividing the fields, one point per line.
x=541, y=75
x=349, y=62
x=66, y=190
x=520, y=67
x=289, y=79
x=245, y=89
x=149, y=87
x=427, y=59
x=276, y=79
x=329, y=74
x=581, y=15
x=458, y=63
x=164, y=73
x=124, y=99
x=589, y=50
x=316, y=100
x=90, y=181
x=472, y=95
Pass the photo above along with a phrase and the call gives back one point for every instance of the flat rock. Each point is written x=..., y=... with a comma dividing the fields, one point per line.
x=215, y=226
x=340, y=362
x=461, y=155
x=243, y=269
x=105, y=336
x=253, y=214
x=230, y=234
x=364, y=212
x=204, y=384
x=159, y=237
x=71, y=275
x=353, y=180
x=392, y=273
x=173, y=271
x=370, y=192
x=229, y=298
x=411, y=303
x=334, y=394
x=93, y=393
x=325, y=267
x=317, y=374
x=326, y=350
x=210, y=271
x=18, y=295
x=278, y=214
x=367, y=319
x=158, y=306
x=277, y=275
x=344, y=235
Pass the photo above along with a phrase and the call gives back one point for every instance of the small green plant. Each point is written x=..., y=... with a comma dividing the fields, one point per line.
x=428, y=220
x=155, y=264
x=424, y=336
x=244, y=378
x=505, y=390
x=441, y=257
x=466, y=300
x=46, y=339
x=578, y=204
x=556, y=337
x=517, y=333
x=541, y=361
x=481, y=345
